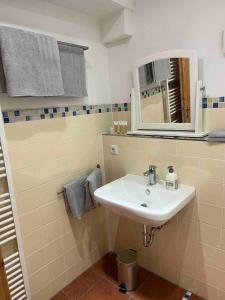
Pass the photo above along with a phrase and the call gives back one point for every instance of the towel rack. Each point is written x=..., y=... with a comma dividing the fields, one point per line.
x=62, y=192
x=73, y=45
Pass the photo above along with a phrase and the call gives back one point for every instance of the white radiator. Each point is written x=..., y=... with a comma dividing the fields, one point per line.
x=14, y=261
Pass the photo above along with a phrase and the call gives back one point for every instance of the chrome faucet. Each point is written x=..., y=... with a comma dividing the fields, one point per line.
x=151, y=174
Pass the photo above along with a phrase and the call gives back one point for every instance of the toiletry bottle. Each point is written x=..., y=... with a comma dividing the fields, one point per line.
x=120, y=127
x=116, y=125
x=125, y=127
x=171, y=179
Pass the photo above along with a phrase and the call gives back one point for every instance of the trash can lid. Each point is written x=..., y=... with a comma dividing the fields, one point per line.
x=127, y=256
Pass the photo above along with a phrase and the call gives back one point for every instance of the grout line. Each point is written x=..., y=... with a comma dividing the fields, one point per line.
x=105, y=277
x=87, y=290
x=91, y=288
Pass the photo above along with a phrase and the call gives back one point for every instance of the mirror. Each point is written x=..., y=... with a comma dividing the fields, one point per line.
x=165, y=91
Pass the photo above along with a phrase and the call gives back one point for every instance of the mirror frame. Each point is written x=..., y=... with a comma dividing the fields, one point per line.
x=193, y=63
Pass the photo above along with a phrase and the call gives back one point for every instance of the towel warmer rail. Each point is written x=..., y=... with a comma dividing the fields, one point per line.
x=13, y=256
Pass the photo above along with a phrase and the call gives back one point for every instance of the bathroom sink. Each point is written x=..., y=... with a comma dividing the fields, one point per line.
x=131, y=197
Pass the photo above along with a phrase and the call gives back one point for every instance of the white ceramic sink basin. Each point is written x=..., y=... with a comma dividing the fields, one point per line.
x=131, y=197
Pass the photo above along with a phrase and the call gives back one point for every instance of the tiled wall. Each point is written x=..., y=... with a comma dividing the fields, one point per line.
x=190, y=249
x=213, y=113
x=44, y=155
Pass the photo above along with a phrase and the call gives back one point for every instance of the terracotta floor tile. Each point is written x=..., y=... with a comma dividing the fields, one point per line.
x=107, y=267
x=156, y=288
x=82, y=284
x=104, y=290
x=60, y=296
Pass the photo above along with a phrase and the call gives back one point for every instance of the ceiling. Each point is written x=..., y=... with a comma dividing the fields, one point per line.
x=96, y=8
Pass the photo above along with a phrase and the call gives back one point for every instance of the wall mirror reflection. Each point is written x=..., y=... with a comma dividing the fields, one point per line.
x=167, y=94
x=165, y=91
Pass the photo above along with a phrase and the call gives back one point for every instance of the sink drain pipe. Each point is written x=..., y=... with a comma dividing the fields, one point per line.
x=149, y=234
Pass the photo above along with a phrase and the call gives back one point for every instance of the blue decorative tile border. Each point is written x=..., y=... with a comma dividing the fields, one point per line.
x=207, y=102
x=22, y=115
x=150, y=92
x=213, y=102
x=121, y=107
x=54, y=112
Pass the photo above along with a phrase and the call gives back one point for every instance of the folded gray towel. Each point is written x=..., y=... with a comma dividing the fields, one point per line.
x=31, y=63
x=217, y=136
x=79, y=194
x=74, y=194
x=92, y=183
x=73, y=70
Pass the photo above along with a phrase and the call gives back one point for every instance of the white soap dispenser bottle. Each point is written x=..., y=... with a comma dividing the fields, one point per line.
x=171, y=179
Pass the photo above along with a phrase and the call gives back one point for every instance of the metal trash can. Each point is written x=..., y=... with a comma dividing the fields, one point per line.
x=127, y=269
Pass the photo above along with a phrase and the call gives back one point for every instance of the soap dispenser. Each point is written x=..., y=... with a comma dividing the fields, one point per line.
x=171, y=179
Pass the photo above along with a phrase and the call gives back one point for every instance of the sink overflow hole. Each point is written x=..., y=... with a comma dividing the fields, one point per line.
x=144, y=205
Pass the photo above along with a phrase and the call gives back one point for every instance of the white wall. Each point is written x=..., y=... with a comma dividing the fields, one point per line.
x=173, y=24
x=66, y=26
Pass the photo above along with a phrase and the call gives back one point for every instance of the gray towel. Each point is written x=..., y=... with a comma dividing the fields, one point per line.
x=145, y=75
x=217, y=136
x=2, y=78
x=31, y=63
x=73, y=70
x=79, y=194
x=162, y=69
x=74, y=194
x=92, y=183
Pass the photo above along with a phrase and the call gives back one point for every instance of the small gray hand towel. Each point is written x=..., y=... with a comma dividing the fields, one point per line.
x=31, y=63
x=79, y=193
x=92, y=183
x=74, y=193
x=217, y=136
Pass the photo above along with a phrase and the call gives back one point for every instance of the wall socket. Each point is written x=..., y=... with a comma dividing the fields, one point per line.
x=114, y=149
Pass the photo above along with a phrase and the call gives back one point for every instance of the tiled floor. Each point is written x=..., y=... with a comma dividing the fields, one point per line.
x=100, y=283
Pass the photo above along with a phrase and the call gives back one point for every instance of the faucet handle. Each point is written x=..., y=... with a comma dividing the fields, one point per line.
x=152, y=168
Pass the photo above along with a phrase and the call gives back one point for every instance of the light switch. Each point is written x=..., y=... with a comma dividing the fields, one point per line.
x=114, y=149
